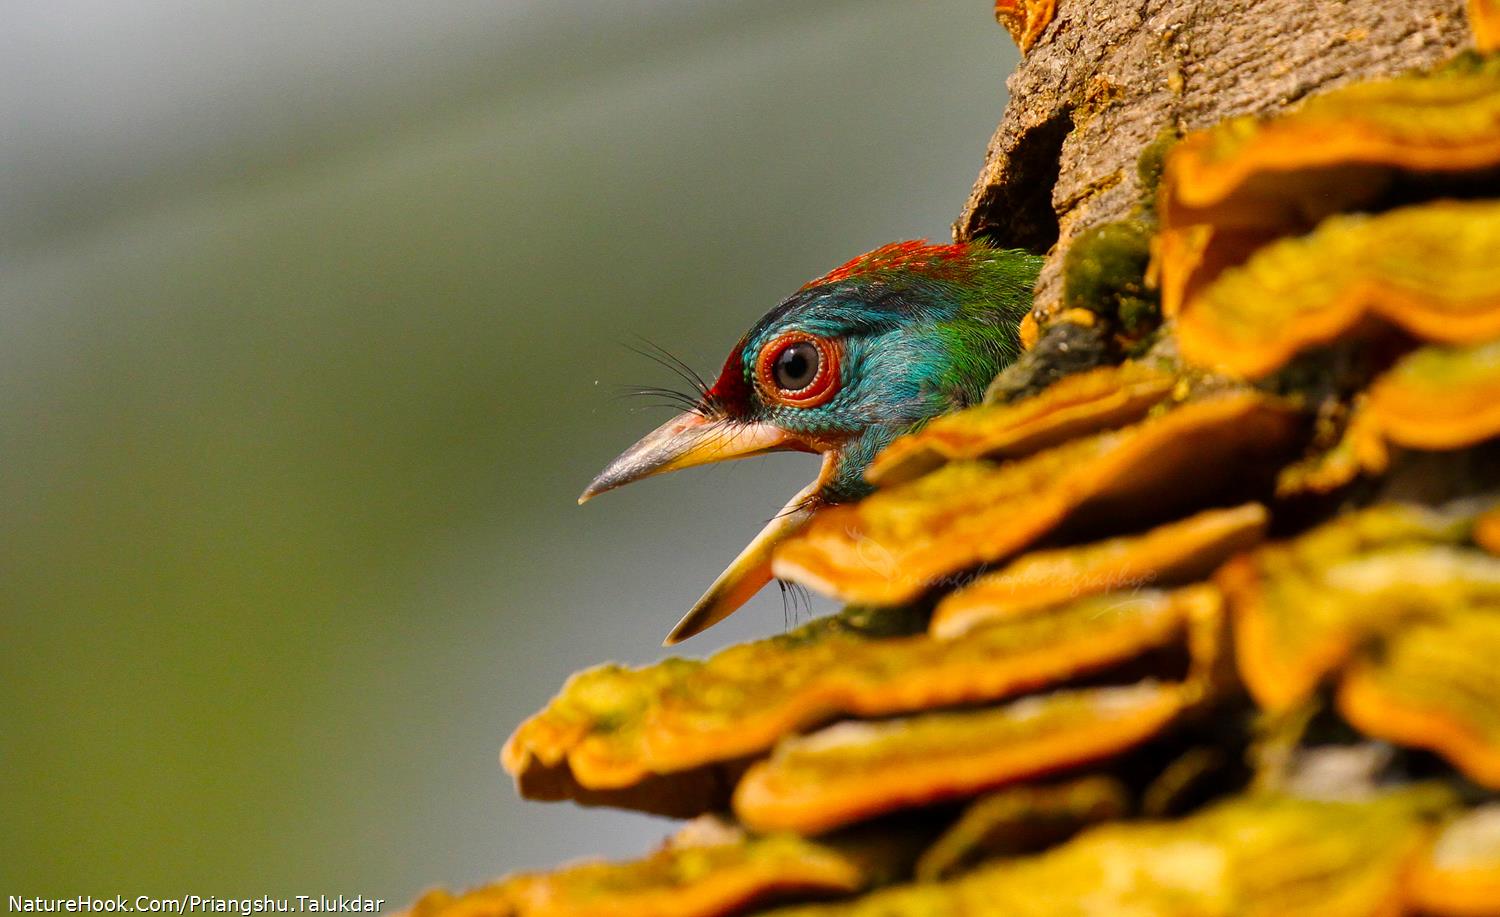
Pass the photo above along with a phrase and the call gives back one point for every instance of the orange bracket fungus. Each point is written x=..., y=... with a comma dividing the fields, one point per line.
x=1427, y=269
x=1484, y=22
x=1357, y=448
x=1229, y=193
x=1301, y=608
x=1435, y=684
x=1178, y=552
x=853, y=771
x=1080, y=404
x=1487, y=530
x=905, y=540
x=1265, y=856
x=1334, y=152
x=1021, y=819
x=683, y=879
x=1025, y=19
x=1392, y=604
x=655, y=728
x=1434, y=399
x=1460, y=876
x=1440, y=397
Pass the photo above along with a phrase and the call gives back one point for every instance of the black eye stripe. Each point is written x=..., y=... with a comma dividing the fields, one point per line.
x=796, y=366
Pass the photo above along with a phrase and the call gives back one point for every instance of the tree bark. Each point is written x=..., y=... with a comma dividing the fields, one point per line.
x=1107, y=77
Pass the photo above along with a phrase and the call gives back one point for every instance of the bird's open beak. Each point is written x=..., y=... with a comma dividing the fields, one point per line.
x=749, y=572
x=684, y=441
x=692, y=439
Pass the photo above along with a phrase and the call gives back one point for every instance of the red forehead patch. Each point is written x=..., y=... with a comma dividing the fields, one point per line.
x=731, y=393
x=916, y=256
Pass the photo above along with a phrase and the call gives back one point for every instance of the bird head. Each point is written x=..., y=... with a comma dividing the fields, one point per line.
x=843, y=366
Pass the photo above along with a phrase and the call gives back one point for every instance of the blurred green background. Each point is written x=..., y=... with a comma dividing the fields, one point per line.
x=311, y=323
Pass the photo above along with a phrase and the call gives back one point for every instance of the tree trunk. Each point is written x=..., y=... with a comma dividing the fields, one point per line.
x=1106, y=77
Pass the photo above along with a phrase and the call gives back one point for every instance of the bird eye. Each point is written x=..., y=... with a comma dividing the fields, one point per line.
x=799, y=370
x=796, y=367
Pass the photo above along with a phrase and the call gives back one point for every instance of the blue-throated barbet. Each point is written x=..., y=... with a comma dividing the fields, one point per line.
x=843, y=366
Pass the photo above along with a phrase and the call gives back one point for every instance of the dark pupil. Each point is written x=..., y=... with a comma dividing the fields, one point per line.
x=797, y=366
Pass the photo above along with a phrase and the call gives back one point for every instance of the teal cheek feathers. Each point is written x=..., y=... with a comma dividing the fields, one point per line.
x=899, y=381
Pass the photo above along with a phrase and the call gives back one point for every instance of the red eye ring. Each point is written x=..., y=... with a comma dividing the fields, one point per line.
x=824, y=384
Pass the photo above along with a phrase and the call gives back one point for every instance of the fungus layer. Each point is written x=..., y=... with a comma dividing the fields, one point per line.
x=1267, y=856
x=615, y=728
x=1428, y=269
x=1080, y=404
x=1187, y=258
x=680, y=880
x=1461, y=874
x=1487, y=530
x=1484, y=22
x=1022, y=819
x=1025, y=19
x=1435, y=398
x=1357, y=449
x=852, y=771
x=1335, y=151
x=908, y=539
x=1435, y=685
x=1178, y=552
x=1301, y=608
x=1440, y=397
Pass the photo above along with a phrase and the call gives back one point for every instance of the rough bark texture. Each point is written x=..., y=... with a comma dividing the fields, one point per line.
x=1108, y=76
